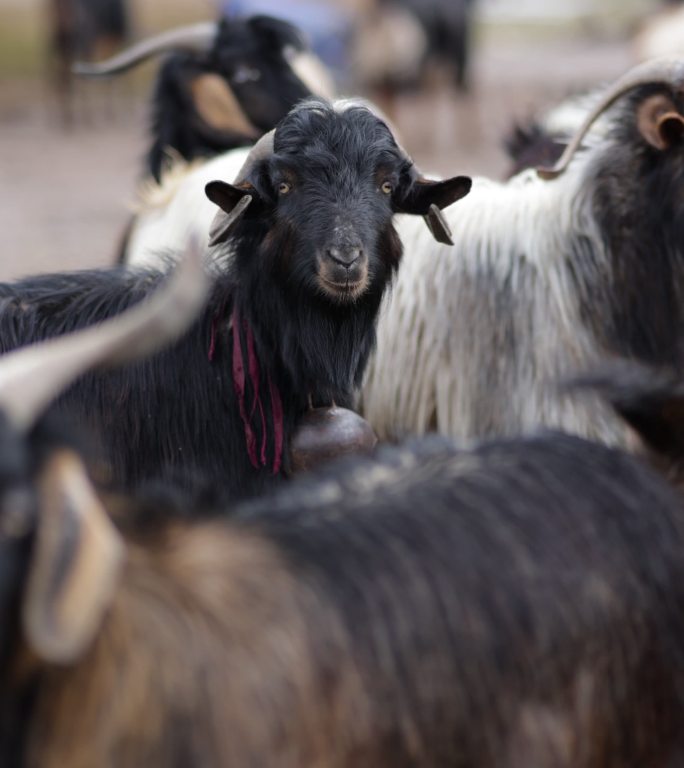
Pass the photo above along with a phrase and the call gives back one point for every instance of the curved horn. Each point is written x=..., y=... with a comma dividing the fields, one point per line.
x=194, y=37
x=262, y=149
x=229, y=213
x=666, y=70
x=30, y=378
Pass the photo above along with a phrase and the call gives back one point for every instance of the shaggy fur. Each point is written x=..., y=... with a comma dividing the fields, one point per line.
x=545, y=280
x=172, y=213
x=518, y=603
x=178, y=411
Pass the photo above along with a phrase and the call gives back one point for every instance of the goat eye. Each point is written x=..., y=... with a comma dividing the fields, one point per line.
x=386, y=188
x=283, y=188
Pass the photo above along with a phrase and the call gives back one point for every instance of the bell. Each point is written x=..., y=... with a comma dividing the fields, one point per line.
x=324, y=434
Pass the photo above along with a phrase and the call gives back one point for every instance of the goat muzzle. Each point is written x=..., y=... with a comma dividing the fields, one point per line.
x=343, y=272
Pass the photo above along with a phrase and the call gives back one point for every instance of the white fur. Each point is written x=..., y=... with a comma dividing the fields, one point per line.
x=474, y=338
x=178, y=209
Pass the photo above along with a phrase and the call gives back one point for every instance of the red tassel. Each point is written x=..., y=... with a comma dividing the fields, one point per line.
x=253, y=365
x=277, y=411
x=239, y=384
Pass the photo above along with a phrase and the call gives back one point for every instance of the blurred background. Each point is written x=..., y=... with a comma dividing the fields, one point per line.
x=71, y=152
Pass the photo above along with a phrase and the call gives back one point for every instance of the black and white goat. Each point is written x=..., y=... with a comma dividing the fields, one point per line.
x=224, y=85
x=291, y=321
x=517, y=604
x=548, y=277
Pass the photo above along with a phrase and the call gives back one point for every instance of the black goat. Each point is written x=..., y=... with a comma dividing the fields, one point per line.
x=223, y=86
x=517, y=604
x=291, y=321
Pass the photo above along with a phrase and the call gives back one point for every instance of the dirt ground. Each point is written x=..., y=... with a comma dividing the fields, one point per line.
x=65, y=195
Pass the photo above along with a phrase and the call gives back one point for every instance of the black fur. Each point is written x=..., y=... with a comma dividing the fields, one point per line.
x=21, y=459
x=244, y=49
x=484, y=587
x=178, y=412
x=519, y=603
x=334, y=164
x=640, y=209
x=634, y=306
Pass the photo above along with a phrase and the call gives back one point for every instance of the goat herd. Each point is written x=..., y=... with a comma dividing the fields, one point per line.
x=169, y=597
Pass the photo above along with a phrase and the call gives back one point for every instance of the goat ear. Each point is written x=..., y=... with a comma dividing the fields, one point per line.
x=659, y=122
x=426, y=198
x=219, y=110
x=232, y=201
x=75, y=563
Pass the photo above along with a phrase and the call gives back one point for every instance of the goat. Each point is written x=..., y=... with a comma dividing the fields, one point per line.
x=549, y=277
x=85, y=29
x=291, y=320
x=223, y=87
x=517, y=603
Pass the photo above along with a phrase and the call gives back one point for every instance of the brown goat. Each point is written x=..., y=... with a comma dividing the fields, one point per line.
x=204, y=658
x=517, y=604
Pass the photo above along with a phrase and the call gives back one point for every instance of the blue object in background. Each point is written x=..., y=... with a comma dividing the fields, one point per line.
x=328, y=29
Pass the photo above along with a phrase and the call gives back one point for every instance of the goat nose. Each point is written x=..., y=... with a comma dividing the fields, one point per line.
x=345, y=256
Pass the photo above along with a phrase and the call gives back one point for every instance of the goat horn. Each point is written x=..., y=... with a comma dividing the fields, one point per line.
x=32, y=377
x=262, y=149
x=224, y=222
x=666, y=70
x=194, y=37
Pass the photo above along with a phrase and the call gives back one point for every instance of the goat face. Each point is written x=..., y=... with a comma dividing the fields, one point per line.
x=324, y=187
